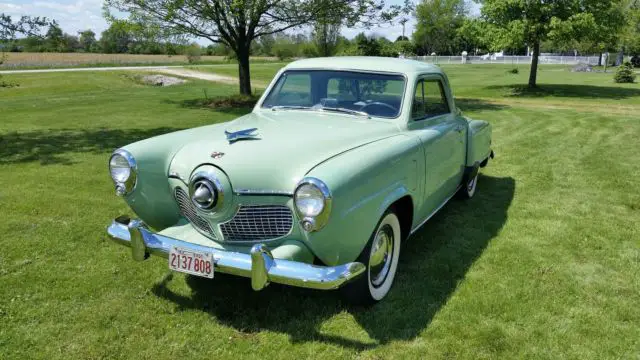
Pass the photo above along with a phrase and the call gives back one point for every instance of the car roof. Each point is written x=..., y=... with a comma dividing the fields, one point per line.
x=367, y=63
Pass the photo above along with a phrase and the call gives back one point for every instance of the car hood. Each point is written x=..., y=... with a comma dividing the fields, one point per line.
x=289, y=144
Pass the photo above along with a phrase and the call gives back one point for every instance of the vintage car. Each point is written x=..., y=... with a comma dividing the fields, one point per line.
x=340, y=161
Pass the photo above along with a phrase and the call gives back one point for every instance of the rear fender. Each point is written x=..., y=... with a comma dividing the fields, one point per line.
x=479, y=142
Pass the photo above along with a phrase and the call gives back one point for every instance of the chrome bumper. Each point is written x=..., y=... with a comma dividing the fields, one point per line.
x=259, y=264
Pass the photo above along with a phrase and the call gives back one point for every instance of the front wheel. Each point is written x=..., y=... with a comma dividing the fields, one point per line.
x=380, y=255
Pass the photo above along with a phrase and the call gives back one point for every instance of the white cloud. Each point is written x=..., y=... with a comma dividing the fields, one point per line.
x=72, y=16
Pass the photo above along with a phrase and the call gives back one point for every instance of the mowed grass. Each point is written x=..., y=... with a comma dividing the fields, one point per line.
x=543, y=263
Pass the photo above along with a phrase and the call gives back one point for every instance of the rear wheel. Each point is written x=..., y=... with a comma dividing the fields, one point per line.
x=470, y=187
x=381, y=258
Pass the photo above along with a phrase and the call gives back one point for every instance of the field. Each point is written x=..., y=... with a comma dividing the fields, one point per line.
x=54, y=60
x=542, y=263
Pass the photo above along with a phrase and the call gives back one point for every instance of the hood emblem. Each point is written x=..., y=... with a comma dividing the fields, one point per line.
x=246, y=134
x=217, y=155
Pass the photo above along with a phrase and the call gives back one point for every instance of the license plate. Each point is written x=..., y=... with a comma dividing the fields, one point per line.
x=199, y=263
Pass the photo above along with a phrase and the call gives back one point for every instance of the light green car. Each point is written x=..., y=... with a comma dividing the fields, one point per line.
x=340, y=161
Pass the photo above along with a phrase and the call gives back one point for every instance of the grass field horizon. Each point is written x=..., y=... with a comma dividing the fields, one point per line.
x=543, y=263
x=50, y=60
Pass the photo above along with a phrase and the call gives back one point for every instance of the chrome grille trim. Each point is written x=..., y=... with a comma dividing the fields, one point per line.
x=188, y=210
x=258, y=223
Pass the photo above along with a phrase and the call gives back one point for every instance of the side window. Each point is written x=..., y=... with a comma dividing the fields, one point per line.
x=418, y=109
x=295, y=90
x=429, y=100
x=435, y=98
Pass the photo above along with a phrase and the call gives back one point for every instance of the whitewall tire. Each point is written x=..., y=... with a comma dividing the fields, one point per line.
x=468, y=189
x=381, y=259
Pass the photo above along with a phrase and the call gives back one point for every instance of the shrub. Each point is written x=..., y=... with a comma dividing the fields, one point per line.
x=284, y=51
x=193, y=53
x=625, y=74
x=635, y=61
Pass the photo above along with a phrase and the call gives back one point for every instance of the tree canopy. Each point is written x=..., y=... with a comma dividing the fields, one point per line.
x=236, y=23
x=437, y=24
x=514, y=22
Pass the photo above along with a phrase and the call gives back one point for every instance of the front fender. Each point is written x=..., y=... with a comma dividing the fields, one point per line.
x=364, y=182
x=152, y=200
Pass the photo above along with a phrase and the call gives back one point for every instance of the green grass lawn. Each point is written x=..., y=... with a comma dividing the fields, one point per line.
x=543, y=263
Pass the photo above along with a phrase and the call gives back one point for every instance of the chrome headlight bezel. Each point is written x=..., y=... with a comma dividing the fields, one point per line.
x=126, y=186
x=312, y=222
x=213, y=184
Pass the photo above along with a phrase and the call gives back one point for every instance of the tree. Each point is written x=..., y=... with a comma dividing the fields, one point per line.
x=237, y=23
x=117, y=38
x=326, y=30
x=27, y=26
x=88, y=41
x=630, y=36
x=54, y=39
x=474, y=34
x=437, y=24
x=531, y=22
x=405, y=12
x=367, y=46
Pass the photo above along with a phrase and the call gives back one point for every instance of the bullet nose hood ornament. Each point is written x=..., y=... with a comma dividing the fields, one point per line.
x=246, y=134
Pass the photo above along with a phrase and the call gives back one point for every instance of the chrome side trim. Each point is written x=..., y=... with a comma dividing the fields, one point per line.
x=261, y=192
x=258, y=265
x=434, y=211
x=176, y=175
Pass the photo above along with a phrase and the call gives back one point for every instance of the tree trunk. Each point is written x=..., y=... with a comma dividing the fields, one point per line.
x=533, y=73
x=243, y=70
x=600, y=60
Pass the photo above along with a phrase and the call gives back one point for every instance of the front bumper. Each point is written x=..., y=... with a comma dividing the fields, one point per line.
x=259, y=264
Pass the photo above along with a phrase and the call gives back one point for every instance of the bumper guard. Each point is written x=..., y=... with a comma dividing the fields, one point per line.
x=259, y=264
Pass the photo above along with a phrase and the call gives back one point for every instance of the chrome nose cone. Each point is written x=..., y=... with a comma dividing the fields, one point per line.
x=204, y=194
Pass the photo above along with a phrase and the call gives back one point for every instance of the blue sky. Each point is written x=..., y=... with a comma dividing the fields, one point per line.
x=77, y=15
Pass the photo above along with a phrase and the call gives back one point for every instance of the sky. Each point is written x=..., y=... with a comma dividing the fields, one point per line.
x=78, y=15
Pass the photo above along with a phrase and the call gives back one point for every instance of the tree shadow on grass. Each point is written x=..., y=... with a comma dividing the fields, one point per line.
x=470, y=104
x=432, y=264
x=234, y=104
x=57, y=146
x=569, y=91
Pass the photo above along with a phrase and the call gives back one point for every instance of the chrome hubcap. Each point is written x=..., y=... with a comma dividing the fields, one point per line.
x=380, y=256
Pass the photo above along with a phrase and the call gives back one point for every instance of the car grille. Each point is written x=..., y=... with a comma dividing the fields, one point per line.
x=258, y=222
x=188, y=210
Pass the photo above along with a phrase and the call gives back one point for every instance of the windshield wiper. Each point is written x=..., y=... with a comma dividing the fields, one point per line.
x=345, y=110
x=289, y=107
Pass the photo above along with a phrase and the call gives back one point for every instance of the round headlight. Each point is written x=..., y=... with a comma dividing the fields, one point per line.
x=313, y=203
x=120, y=168
x=309, y=200
x=123, y=169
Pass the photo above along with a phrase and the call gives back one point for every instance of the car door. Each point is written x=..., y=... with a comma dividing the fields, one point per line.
x=442, y=135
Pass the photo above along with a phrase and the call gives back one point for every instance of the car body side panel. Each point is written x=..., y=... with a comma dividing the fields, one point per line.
x=363, y=183
x=479, y=140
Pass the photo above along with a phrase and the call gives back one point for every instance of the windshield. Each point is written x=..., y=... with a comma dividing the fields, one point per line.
x=349, y=92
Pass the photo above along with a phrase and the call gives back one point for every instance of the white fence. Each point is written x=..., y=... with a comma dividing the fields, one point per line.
x=510, y=60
